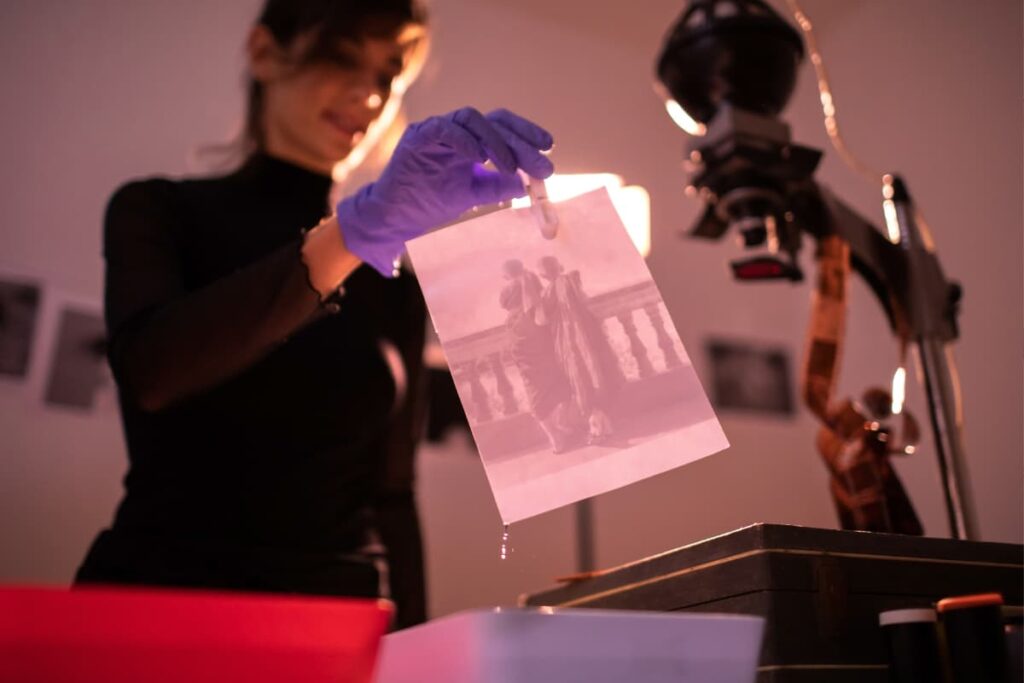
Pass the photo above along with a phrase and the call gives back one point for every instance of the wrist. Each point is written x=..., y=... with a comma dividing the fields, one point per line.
x=366, y=226
x=326, y=257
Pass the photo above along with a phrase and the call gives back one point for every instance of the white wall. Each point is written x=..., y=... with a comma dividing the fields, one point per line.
x=97, y=91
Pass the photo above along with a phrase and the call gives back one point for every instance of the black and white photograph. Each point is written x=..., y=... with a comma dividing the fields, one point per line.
x=571, y=372
x=750, y=377
x=78, y=373
x=19, y=322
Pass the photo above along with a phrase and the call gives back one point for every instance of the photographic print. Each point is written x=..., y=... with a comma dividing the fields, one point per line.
x=19, y=315
x=78, y=370
x=748, y=377
x=569, y=368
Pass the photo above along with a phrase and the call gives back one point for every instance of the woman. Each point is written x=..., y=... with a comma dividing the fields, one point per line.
x=532, y=348
x=580, y=343
x=269, y=441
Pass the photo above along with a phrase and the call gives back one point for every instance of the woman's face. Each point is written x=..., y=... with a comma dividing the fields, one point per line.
x=314, y=114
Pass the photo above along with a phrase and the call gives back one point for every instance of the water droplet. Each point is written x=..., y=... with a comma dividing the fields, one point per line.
x=504, y=543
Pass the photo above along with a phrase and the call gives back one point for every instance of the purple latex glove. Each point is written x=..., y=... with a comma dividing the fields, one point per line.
x=436, y=174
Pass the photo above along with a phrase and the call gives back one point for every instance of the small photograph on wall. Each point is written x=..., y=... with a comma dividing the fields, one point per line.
x=749, y=377
x=569, y=368
x=19, y=315
x=79, y=377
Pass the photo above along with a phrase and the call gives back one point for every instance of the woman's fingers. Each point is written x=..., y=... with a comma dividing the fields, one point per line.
x=491, y=187
x=529, y=131
x=440, y=130
x=527, y=156
x=508, y=140
x=497, y=148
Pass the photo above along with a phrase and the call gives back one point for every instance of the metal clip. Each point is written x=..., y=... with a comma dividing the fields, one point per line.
x=542, y=209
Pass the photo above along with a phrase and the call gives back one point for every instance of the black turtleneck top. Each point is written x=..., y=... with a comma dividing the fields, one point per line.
x=265, y=434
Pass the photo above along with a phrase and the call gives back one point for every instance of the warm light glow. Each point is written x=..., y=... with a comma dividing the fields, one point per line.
x=887, y=190
x=827, y=105
x=632, y=202
x=387, y=128
x=892, y=222
x=376, y=133
x=772, y=234
x=684, y=120
x=924, y=231
x=899, y=390
x=634, y=206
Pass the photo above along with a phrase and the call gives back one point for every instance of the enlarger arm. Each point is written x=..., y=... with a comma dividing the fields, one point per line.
x=923, y=307
x=906, y=276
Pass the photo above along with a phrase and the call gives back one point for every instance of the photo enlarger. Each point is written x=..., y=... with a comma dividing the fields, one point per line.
x=727, y=70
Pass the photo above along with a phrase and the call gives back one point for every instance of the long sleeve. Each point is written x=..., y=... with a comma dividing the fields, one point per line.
x=167, y=343
x=396, y=513
x=258, y=427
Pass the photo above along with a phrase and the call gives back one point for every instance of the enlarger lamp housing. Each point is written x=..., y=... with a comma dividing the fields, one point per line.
x=736, y=51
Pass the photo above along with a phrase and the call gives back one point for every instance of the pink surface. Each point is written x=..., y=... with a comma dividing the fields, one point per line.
x=115, y=634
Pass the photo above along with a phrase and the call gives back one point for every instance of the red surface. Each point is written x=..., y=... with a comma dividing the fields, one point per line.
x=114, y=635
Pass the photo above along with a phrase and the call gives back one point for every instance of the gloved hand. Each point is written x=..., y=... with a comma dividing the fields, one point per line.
x=436, y=174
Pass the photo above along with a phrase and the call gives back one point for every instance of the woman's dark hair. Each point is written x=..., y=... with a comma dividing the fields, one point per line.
x=327, y=23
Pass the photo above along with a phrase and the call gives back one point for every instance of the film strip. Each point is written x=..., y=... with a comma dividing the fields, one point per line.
x=857, y=438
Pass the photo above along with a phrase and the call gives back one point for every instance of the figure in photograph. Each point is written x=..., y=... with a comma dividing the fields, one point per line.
x=532, y=349
x=586, y=357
